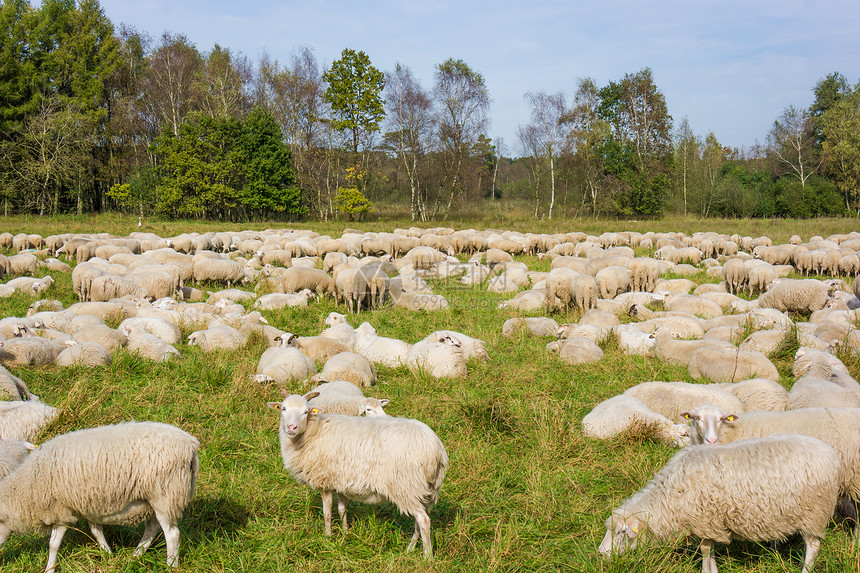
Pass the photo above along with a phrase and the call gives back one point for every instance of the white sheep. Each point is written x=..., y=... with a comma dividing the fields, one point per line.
x=439, y=356
x=13, y=388
x=145, y=471
x=350, y=367
x=147, y=345
x=12, y=454
x=533, y=326
x=29, y=351
x=296, y=279
x=579, y=350
x=527, y=300
x=758, y=394
x=281, y=364
x=159, y=327
x=277, y=301
x=762, y=490
x=722, y=364
x=802, y=295
x=625, y=413
x=670, y=399
x=472, y=348
x=23, y=420
x=675, y=350
x=370, y=460
x=217, y=337
x=383, y=350
x=83, y=354
x=632, y=340
x=418, y=301
x=344, y=397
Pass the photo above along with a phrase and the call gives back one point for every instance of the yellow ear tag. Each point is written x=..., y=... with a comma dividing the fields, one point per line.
x=315, y=411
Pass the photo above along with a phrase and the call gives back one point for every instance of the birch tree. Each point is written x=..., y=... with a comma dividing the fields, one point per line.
x=548, y=132
x=792, y=140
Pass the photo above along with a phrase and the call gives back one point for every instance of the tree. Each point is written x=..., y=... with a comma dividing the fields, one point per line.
x=170, y=87
x=841, y=148
x=355, y=94
x=686, y=153
x=548, y=132
x=792, y=142
x=463, y=100
x=223, y=83
x=829, y=91
x=410, y=126
x=588, y=133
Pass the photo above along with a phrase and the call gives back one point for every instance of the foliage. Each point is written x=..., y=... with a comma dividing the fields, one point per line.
x=351, y=201
x=355, y=94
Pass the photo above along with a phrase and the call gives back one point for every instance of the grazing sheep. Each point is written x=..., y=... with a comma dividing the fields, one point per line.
x=735, y=275
x=111, y=475
x=350, y=367
x=370, y=460
x=352, y=287
x=612, y=281
x=23, y=420
x=344, y=397
x=644, y=273
x=728, y=365
x=439, y=356
x=802, y=295
x=626, y=413
x=83, y=354
x=764, y=489
x=216, y=270
x=296, y=279
x=23, y=263
x=533, y=326
x=281, y=364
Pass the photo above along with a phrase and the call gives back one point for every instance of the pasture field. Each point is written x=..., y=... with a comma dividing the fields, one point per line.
x=525, y=490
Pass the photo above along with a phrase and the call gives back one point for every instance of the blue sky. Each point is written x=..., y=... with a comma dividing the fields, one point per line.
x=730, y=66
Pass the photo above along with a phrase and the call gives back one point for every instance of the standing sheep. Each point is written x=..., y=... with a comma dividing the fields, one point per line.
x=370, y=460
x=110, y=475
x=762, y=490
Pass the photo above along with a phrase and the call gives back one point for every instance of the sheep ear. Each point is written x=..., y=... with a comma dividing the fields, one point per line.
x=274, y=405
x=311, y=395
x=383, y=402
x=284, y=392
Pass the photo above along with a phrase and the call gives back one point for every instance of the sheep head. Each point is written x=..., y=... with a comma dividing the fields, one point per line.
x=622, y=533
x=705, y=423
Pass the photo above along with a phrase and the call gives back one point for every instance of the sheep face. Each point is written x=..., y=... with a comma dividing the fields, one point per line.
x=450, y=340
x=334, y=318
x=373, y=407
x=706, y=422
x=295, y=413
x=621, y=534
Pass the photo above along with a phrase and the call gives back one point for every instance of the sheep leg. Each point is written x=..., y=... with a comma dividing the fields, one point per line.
x=326, y=502
x=813, y=545
x=422, y=525
x=171, y=537
x=709, y=561
x=54, y=546
x=150, y=530
x=99, y=535
x=342, y=501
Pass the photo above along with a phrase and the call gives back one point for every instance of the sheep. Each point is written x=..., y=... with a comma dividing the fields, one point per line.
x=317, y=348
x=380, y=349
x=370, y=460
x=802, y=295
x=820, y=363
x=728, y=364
x=631, y=340
x=735, y=274
x=13, y=388
x=83, y=354
x=418, y=301
x=12, y=454
x=625, y=413
x=440, y=357
x=764, y=341
x=579, y=350
x=759, y=277
x=810, y=392
x=296, y=279
x=216, y=270
x=762, y=394
x=693, y=304
x=526, y=300
x=277, y=301
x=23, y=420
x=281, y=364
x=674, y=350
x=31, y=286
x=344, y=397
x=23, y=263
x=558, y=293
x=146, y=471
x=644, y=272
x=352, y=287
x=217, y=337
x=28, y=351
x=670, y=399
x=350, y=367
x=766, y=489
x=594, y=333
x=534, y=326
x=472, y=348
x=611, y=281
x=109, y=338
x=147, y=345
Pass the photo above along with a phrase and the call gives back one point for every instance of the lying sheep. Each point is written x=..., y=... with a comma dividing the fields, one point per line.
x=277, y=301
x=625, y=413
x=383, y=350
x=670, y=399
x=674, y=350
x=23, y=420
x=13, y=388
x=761, y=394
x=29, y=351
x=13, y=453
x=472, y=348
x=418, y=301
x=146, y=471
x=632, y=340
x=370, y=460
x=217, y=337
x=722, y=364
x=88, y=354
x=281, y=364
x=350, y=367
x=147, y=345
x=765, y=489
x=533, y=326
x=579, y=350
x=344, y=397
x=440, y=357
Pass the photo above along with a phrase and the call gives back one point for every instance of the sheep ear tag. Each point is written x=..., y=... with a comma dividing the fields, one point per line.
x=731, y=418
x=315, y=411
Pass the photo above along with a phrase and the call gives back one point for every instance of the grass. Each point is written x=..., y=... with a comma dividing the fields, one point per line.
x=525, y=490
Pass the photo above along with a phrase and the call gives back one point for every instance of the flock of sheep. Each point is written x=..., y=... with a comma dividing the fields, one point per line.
x=145, y=283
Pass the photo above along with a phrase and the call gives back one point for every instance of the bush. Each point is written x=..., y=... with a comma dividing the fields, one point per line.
x=351, y=201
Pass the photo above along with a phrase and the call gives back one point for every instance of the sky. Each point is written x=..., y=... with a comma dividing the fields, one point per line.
x=729, y=66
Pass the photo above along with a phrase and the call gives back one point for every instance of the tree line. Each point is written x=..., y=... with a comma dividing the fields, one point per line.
x=96, y=117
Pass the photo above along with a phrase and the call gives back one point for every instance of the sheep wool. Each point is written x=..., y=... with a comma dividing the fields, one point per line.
x=111, y=475
x=370, y=460
x=762, y=489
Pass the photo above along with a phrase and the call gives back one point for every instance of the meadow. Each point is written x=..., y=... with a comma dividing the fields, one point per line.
x=524, y=491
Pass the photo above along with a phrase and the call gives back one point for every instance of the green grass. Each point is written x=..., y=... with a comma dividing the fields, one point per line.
x=525, y=490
